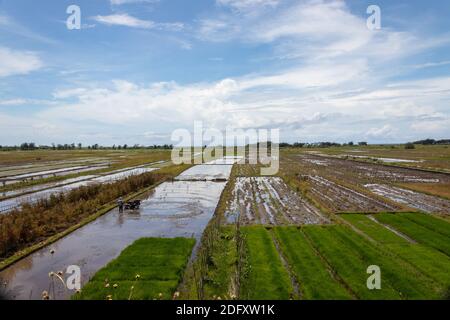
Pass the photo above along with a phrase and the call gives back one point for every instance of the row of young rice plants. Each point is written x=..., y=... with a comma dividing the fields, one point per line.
x=150, y=268
x=429, y=261
x=315, y=280
x=405, y=278
x=346, y=262
x=428, y=221
x=350, y=254
x=265, y=276
x=417, y=231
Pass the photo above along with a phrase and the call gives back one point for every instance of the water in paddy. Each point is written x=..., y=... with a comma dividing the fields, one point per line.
x=179, y=208
x=11, y=203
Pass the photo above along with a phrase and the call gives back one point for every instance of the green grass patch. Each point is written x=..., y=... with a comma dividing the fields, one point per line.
x=416, y=231
x=316, y=281
x=347, y=262
x=266, y=276
x=350, y=254
x=425, y=220
x=429, y=261
x=150, y=268
x=373, y=229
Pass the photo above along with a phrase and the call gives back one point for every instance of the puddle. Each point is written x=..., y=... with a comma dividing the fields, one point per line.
x=412, y=199
x=387, y=160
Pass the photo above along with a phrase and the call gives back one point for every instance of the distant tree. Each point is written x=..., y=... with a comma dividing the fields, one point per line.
x=28, y=146
x=125, y=146
x=80, y=145
x=284, y=145
x=409, y=146
x=362, y=143
x=351, y=143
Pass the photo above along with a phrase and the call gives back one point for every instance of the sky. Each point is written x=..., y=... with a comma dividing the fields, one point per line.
x=137, y=70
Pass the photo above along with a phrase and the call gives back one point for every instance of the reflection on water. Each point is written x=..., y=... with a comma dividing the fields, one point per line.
x=180, y=208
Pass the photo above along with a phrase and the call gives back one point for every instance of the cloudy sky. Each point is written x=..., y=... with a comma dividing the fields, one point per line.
x=139, y=69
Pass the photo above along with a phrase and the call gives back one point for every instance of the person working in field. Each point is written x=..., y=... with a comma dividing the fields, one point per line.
x=120, y=204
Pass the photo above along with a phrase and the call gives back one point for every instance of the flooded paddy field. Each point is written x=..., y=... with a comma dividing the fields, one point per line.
x=13, y=203
x=339, y=184
x=207, y=172
x=16, y=192
x=366, y=172
x=172, y=209
x=268, y=200
x=227, y=160
x=338, y=198
x=50, y=173
x=42, y=186
x=434, y=157
x=417, y=200
x=13, y=170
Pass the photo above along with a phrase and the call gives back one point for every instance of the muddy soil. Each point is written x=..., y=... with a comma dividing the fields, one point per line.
x=362, y=173
x=268, y=200
x=416, y=200
x=338, y=198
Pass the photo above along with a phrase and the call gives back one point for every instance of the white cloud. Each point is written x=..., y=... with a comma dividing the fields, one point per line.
x=431, y=64
x=248, y=4
x=126, y=20
x=120, y=2
x=12, y=102
x=337, y=85
x=14, y=62
x=312, y=30
x=384, y=132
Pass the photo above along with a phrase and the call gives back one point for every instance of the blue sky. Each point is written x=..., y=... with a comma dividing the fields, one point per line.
x=139, y=69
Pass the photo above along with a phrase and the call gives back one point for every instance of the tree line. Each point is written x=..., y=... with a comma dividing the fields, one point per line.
x=26, y=146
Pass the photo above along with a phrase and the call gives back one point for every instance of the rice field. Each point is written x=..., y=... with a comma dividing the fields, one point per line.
x=148, y=269
x=311, y=232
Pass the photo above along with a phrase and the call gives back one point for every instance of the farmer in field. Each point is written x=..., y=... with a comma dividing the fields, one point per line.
x=120, y=204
